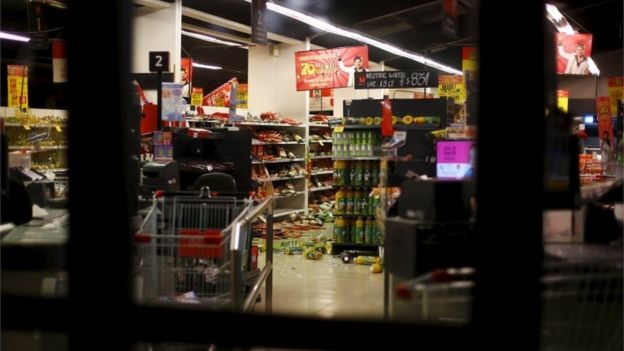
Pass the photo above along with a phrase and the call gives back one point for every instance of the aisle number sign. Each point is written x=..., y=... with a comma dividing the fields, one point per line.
x=562, y=99
x=17, y=86
x=197, y=96
x=616, y=93
x=452, y=87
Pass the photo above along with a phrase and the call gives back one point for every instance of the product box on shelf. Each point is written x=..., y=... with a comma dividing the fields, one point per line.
x=163, y=152
x=162, y=138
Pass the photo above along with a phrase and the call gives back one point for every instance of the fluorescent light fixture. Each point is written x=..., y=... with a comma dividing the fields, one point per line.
x=330, y=28
x=9, y=36
x=211, y=39
x=588, y=119
x=562, y=25
x=201, y=65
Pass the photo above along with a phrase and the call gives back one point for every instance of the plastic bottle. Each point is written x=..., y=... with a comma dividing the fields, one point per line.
x=368, y=229
x=338, y=173
x=349, y=202
x=346, y=231
x=374, y=174
x=352, y=173
x=346, y=173
x=341, y=203
x=357, y=202
x=366, y=174
x=364, y=203
x=359, y=230
x=339, y=230
x=356, y=179
x=352, y=236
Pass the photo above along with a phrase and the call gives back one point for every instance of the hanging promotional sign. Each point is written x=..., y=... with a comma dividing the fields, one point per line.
x=330, y=68
x=220, y=97
x=242, y=95
x=603, y=112
x=562, y=100
x=59, y=61
x=17, y=90
x=172, y=102
x=616, y=93
x=452, y=87
x=573, y=52
x=258, y=25
x=197, y=96
x=396, y=79
x=449, y=20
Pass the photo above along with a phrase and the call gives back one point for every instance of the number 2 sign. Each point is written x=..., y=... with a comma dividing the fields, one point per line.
x=159, y=61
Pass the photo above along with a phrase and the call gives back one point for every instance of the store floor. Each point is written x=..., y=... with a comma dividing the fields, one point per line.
x=324, y=288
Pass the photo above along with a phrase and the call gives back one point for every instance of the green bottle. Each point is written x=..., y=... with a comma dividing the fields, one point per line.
x=359, y=230
x=357, y=202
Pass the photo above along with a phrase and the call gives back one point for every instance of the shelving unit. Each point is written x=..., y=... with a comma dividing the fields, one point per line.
x=323, y=163
x=287, y=203
x=47, y=124
x=290, y=160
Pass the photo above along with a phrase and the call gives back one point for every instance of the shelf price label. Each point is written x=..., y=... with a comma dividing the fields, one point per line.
x=338, y=129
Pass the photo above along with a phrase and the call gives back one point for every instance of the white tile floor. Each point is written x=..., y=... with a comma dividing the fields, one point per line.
x=325, y=288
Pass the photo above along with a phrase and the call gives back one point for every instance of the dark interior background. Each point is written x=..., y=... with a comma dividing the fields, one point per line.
x=413, y=25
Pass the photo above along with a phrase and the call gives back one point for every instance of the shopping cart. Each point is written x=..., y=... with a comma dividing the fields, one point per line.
x=193, y=248
x=581, y=303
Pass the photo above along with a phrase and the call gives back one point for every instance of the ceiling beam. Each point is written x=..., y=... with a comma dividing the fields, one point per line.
x=239, y=27
x=216, y=34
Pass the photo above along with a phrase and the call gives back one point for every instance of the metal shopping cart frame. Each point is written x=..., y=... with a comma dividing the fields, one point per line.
x=194, y=248
x=581, y=303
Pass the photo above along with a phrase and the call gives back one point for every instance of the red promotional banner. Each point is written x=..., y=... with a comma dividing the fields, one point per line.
x=603, y=111
x=573, y=52
x=330, y=68
x=220, y=97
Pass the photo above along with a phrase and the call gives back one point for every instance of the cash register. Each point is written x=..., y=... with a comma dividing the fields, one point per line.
x=160, y=175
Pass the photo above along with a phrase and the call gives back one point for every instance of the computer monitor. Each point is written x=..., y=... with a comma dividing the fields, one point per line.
x=456, y=159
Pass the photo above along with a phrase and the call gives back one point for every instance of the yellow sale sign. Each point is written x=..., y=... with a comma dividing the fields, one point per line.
x=452, y=87
x=197, y=96
x=17, y=86
x=562, y=100
x=616, y=93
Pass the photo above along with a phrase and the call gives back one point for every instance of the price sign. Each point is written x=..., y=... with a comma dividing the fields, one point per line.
x=396, y=79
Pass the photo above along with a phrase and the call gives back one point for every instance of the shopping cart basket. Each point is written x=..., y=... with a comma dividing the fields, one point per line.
x=184, y=249
x=581, y=303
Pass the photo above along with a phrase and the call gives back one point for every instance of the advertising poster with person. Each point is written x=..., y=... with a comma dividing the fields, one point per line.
x=573, y=53
x=331, y=68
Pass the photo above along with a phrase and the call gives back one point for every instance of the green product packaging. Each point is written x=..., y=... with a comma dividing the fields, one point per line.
x=359, y=230
x=349, y=202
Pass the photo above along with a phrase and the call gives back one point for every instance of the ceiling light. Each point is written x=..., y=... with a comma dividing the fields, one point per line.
x=201, y=65
x=562, y=25
x=9, y=36
x=328, y=27
x=211, y=39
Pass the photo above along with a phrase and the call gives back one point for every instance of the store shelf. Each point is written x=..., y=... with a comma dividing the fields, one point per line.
x=282, y=143
x=285, y=160
x=319, y=125
x=286, y=212
x=260, y=124
x=43, y=148
x=321, y=141
x=320, y=157
x=325, y=188
x=361, y=126
x=417, y=126
x=296, y=193
x=275, y=179
x=55, y=170
x=355, y=186
x=352, y=215
x=355, y=244
x=42, y=125
x=322, y=172
x=357, y=158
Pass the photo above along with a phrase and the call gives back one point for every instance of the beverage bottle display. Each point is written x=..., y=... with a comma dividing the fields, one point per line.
x=357, y=202
x=350, y=149
x=349, y=202
x=346, y=232
x=368, y=145
x=346, y=174
x=353, y=233
x=356, y=144
x=359, y=230
x=341, y=202
x=339, y=172
x=366, y=174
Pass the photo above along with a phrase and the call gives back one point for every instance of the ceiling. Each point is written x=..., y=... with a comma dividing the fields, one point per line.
x=413, y=25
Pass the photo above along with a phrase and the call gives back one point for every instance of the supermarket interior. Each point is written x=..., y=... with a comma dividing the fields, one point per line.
x=282, y=165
